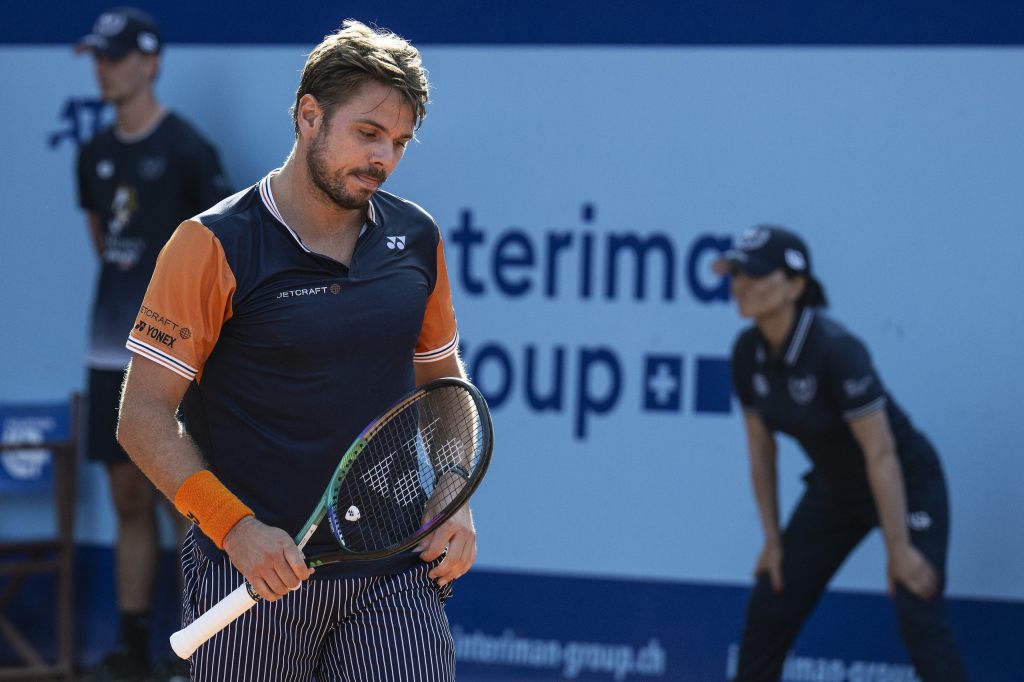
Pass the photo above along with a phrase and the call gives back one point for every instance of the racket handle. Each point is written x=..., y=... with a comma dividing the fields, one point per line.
x=223, y=613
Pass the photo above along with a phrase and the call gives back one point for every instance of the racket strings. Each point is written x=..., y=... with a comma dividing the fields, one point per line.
x=411, y=470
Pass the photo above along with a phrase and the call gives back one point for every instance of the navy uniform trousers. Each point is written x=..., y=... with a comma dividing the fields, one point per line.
x=820, y=535
x=383, y=628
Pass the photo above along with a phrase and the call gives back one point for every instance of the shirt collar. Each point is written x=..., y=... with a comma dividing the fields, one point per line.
x=795, y=344
x=268, y=200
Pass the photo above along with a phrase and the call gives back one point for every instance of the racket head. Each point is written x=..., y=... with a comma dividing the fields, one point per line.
x=409, y=471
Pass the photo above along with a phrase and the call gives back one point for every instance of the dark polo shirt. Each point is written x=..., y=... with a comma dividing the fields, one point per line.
x=822, y=380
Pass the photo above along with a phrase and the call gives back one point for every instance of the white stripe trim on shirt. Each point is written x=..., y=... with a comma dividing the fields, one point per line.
x=161, y=358
x=440, y=353
x=865, y=410
x=268, y=200
x=799, y=336
x=267, y=195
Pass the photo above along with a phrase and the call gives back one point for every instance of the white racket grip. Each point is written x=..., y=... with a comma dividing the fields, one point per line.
x=188, y=639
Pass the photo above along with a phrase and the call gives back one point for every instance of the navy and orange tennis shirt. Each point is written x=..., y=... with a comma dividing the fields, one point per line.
x=291, y=353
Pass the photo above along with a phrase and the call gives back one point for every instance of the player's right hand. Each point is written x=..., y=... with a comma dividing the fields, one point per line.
x=770, y=562
x=267, y=557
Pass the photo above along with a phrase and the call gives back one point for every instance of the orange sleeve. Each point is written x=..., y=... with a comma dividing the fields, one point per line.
x=187, y=302
x=439, y=336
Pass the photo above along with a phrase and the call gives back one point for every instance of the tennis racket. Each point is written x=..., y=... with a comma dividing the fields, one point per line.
x=405, y=474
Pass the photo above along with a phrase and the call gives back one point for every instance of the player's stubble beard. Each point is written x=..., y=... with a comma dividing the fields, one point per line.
x=333, y=186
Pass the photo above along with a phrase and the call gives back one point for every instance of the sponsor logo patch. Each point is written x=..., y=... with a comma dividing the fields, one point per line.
x=761, y=386
x=919, y=520
x=110, y=24
x=309, y=291
x=753, y=239
x=152, y=168
x=795, y=260
x=154, y=316
x=803, y=389
x=155, y=333
x=854, y=388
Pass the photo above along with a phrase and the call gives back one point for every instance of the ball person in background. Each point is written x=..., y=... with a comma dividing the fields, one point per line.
x=313, y=300
x=137, y=180
x=798, y=372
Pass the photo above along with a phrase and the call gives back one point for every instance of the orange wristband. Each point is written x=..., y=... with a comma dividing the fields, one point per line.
x=211, y=506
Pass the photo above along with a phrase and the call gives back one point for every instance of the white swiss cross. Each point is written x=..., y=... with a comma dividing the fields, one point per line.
x=396, y=242
x=663, y=384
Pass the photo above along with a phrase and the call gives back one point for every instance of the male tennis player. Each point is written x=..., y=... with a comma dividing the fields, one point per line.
x=136, y=181
x=284, y=319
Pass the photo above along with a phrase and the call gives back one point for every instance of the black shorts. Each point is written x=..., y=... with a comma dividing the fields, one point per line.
x=104, y=398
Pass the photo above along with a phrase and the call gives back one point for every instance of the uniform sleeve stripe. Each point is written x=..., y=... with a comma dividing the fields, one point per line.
x=160, y=358
x=439, y=353
x=873, y=406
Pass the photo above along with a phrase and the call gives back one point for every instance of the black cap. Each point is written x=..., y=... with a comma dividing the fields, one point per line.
x=120, y=30
x=764, y=249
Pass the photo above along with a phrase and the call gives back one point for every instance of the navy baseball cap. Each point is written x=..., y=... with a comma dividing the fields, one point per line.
x=764, y=249
x=120, y=30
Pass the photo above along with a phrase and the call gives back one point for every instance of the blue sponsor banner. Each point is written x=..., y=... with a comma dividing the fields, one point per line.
x=532, y=626
x=28, y=469
x=518, y=626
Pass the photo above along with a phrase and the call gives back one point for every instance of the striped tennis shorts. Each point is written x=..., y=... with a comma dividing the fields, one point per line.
x=389, y=628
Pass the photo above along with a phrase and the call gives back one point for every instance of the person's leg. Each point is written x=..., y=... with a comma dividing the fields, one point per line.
x=132, y=496
x=923, y=622
x=817, y=539
x=397, y=630
x=137, y=550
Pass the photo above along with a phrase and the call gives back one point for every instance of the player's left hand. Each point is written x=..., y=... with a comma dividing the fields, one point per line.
x=459, y=535
x=908, y=567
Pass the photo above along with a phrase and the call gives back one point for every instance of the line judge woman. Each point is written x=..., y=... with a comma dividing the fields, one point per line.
x=798, y=372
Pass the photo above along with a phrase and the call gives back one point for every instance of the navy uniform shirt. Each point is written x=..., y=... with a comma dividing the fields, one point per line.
x=823, y=379
x=141, y=188
x=290, y=352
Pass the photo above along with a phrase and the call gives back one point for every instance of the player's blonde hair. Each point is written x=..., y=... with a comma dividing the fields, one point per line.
x=355, y=54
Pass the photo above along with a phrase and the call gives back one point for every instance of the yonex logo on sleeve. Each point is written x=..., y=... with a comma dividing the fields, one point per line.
x=396, y=242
